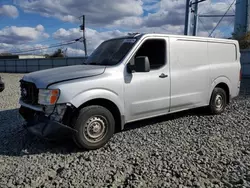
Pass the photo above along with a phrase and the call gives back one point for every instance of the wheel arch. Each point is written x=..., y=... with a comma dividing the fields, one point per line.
x=110, y=105
x=223, y=83
x=103, y=97
x=225, y=87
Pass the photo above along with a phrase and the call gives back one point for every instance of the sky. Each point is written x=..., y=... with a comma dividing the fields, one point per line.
x=39, y=24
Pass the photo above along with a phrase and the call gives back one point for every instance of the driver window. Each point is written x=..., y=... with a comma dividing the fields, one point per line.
x=155, y=49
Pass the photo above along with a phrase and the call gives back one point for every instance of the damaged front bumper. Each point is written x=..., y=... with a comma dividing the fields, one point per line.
x=52, y=126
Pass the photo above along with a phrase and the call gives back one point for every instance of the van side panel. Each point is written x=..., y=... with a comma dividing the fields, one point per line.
x=189, y=73
x=225, y=65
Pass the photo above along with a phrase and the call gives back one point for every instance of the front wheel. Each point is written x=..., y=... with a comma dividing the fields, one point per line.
x=95, y=126
x=218, y=101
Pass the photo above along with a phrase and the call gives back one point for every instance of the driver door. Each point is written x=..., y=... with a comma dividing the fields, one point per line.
x=147, y=94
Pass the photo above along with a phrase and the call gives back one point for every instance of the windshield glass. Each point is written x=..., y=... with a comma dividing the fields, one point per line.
x=111, y=52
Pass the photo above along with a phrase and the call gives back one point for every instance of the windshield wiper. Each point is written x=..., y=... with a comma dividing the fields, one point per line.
x=91, y=63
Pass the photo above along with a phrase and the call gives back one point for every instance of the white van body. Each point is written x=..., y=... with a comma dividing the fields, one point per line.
x=194, y=66
x=183, y=74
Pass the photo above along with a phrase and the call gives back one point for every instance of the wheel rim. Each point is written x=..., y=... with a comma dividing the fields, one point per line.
x=95, y=128
x=219, y=102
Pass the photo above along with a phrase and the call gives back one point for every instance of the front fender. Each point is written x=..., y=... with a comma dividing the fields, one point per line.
x=92, y=94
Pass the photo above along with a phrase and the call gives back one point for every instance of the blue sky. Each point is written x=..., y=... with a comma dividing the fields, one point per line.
x=29, y=24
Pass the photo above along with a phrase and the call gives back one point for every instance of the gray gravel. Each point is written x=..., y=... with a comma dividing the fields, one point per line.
x=188, y=149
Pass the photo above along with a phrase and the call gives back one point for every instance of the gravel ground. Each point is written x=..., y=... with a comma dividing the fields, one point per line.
x=188, y=149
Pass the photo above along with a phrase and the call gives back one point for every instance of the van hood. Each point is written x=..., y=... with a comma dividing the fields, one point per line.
x=44, y=78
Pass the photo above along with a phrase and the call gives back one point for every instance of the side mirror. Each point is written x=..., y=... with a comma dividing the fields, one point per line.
x=142, y=64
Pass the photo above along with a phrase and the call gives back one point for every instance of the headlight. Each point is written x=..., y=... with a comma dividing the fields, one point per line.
x=48, y=97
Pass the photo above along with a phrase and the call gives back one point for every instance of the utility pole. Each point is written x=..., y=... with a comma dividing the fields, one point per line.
x=195, y=16
x=187, y=18
x=83, y=33
x=195, y=28
x=189, y=5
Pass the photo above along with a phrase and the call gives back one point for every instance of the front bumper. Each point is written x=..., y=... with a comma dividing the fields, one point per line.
x=42, y=126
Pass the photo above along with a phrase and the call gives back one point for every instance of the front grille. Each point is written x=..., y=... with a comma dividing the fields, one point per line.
x=29, y=92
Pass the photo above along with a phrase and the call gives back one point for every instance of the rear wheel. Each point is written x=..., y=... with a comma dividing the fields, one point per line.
x=218, y=101
x=95, y=126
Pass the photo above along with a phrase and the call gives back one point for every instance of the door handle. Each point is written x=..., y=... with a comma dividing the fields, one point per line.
x=163, y=75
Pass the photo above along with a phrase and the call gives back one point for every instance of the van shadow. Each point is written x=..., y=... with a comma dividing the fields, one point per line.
x=164, y=118
x=17, y=141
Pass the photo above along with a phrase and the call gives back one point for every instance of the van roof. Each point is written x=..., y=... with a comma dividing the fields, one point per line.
x=140, y=35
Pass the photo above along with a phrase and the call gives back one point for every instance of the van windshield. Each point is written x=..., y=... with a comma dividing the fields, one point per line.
x=111, y=52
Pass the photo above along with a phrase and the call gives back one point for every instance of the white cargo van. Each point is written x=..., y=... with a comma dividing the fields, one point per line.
x=128, y=79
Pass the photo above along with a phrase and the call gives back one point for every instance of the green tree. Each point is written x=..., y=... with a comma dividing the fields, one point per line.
x=244, y=40
x=58, y=53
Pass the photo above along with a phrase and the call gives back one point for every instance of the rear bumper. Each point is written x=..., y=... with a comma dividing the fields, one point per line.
x=43, y=127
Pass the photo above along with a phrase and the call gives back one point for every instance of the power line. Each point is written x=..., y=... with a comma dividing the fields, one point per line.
x=232, y=7
x=230, y=24
x=222, y=18
x=203, y=25
x=44, y=48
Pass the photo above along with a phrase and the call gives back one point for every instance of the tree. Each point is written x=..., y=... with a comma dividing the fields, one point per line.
x=47, y=55
x=244, y=40
x=58, y=53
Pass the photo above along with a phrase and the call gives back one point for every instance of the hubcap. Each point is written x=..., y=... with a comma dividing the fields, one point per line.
x=95, y=128
x=218, y=102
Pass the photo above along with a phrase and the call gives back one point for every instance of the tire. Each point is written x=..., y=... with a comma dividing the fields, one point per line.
x=95, y=126
x=218, y=101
